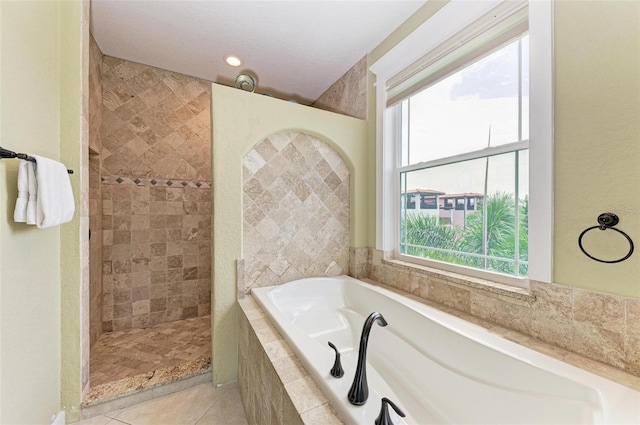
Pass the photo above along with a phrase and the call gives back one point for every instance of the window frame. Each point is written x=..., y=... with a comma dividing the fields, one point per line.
x=438, y=30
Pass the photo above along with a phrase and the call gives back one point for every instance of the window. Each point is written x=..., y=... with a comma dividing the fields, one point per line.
x=410, y=201
x=429, y=202
x=445, y=121
x=467, y=136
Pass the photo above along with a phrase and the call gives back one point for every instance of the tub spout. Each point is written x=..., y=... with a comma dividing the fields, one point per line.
x=359, y=391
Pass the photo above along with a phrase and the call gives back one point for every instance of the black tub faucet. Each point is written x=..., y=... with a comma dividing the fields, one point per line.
x=384, y=418
x=336, y=370
x=359, y=391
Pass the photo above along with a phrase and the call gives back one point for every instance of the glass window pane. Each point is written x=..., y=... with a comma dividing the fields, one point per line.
x=466, y=111
x=456, y=231
x=499, y=210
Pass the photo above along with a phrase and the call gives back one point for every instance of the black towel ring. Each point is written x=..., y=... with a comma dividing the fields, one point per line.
x=606, y=221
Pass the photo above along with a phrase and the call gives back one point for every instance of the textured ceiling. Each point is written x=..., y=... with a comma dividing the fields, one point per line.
x=295, y=49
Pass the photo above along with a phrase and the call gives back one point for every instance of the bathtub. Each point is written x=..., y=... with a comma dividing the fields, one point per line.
x=437, y=368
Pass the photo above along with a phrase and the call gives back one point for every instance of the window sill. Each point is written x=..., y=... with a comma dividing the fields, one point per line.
x=472, y=282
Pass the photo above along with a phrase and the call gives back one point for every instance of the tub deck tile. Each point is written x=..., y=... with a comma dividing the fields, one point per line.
x=304, y=394
x=289, y=369
x=321, y=415
x=277, y=349
x=266, y=334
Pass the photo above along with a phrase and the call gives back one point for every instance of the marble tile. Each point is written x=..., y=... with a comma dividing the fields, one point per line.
x=127, y=354
x=304, y=394
x=227, y=410
x=296, y=210
x=554, y=301
x=98, y=420
x=172, y=124
x=490, y=307
x=598, y=309
x=552, y=314
x=277, y=349
x=632, y=335
x=348, y=95
x=185, y=407
x=450, y=295
x=159, y=249
x=289, y=369
x=599, y=326
x=152, y=128
x=321, y=415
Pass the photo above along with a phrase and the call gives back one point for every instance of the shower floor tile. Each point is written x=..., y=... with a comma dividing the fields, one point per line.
x=124, y=354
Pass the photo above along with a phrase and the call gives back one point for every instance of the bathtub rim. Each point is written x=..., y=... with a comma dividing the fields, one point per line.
x=550, y=358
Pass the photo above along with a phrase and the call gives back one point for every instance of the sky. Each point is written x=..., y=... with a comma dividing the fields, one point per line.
x=460, y=114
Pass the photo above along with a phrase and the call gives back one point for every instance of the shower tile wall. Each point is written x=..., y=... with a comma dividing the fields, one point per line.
x=156, y=191
x=95, y=250
x=296, y=210
x=348, y=95
x=95, y=195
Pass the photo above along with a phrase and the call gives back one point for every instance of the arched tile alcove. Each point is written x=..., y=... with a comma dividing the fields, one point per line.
x=295, y=210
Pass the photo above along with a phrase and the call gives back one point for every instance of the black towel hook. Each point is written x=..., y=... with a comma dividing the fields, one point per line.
x=607, y=221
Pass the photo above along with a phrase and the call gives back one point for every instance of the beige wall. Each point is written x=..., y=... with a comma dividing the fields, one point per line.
x=156, y=194
x=597, y=141
x=74, y=243
x=40, y=107
x=239, y=121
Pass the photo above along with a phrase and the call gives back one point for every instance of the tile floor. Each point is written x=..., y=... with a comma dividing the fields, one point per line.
x=200, y=405
x=123, y=354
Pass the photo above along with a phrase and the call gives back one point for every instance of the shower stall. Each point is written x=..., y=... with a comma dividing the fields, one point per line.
x=150, y=220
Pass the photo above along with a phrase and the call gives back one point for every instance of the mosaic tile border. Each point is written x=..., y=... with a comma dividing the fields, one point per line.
x=155, y=182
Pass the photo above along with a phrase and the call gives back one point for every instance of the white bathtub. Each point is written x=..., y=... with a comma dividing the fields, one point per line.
x=434, y=366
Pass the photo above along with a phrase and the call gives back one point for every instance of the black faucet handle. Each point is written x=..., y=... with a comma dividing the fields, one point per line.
x=336, y=370
x=383, y=417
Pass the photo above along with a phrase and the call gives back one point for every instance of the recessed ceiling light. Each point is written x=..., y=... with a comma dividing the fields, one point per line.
x=233, y=60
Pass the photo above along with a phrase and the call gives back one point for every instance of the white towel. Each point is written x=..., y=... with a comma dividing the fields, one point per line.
x=55, y=197
x=32, y=205
x=20, y=212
